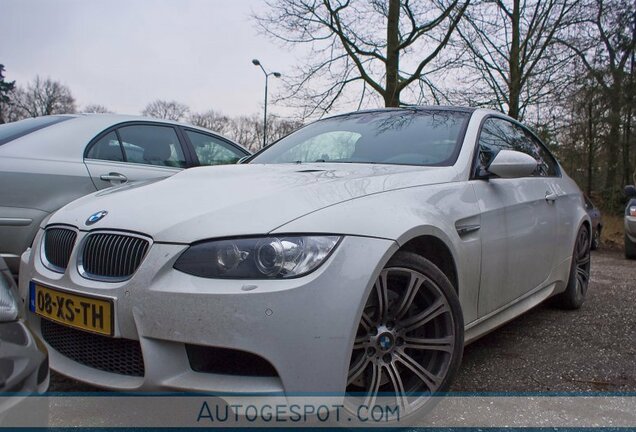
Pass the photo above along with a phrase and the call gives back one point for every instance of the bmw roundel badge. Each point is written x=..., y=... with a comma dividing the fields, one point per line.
x=96, y=217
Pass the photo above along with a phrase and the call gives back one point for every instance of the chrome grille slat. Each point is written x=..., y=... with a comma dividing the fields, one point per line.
x=117, y=250
x=57, y=248
x=122, y=254
x=111, y=257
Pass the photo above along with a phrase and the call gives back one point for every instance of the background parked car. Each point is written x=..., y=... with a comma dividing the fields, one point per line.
x=630, y=223
x=597, y=222
x=47, y=162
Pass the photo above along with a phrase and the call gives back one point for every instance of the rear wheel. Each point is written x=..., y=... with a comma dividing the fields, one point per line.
x=630, y=248
x=410, y=338
x=574, y=295
x=596, y=238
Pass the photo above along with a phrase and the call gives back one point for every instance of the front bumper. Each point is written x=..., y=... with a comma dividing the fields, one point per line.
x=303, y=327
x=630, y=227
x=24, y=360
x=24, y=367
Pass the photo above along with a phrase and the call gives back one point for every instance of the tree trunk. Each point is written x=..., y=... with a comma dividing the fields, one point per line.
x=514, y=86
x=391, y=93
x=590, y=149
x=612, y=145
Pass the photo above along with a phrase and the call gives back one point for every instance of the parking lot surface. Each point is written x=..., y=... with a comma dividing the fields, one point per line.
x=548, y=349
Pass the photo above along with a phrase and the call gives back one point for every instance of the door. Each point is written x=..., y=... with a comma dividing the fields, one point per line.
x=135, y=152
x=518, y=219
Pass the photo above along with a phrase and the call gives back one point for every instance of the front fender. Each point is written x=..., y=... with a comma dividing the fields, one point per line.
x=405, y=214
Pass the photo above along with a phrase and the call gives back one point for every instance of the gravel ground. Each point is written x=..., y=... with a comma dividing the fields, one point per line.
x=548, y=349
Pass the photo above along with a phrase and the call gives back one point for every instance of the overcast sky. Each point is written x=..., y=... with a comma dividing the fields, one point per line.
x=125, y=53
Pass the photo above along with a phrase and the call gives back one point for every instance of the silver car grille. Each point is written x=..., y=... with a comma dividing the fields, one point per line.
x=58, y=246
x=111, y=257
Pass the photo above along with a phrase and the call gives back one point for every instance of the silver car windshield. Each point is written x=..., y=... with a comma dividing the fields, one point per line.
x=399, y=137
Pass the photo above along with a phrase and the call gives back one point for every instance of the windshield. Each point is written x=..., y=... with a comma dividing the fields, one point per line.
x=403, y=137
x=11, y=131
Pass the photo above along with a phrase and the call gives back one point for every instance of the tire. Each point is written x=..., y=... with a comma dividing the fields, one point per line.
x=574, y=295
x=596, y=238
x=630, y=248
x=410, y=339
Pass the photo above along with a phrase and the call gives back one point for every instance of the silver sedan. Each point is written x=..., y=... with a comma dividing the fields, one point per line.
x=47, y=162
x=358, y=255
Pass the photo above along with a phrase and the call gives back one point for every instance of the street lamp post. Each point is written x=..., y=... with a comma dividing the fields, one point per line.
x=255, y=62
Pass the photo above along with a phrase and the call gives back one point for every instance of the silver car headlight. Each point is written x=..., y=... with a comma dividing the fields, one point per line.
x=8, y=302
x=257, y=258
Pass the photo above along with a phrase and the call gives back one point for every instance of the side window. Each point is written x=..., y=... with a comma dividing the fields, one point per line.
x=548, y=166
x=152, y=145
x=493, y=138
x=213, y=151
x=106, y=148
x=499, y=134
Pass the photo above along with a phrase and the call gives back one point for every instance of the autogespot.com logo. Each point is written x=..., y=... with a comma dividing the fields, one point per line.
x=96, y=217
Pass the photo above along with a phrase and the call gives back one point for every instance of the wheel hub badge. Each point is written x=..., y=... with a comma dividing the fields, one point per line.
x=386, y=341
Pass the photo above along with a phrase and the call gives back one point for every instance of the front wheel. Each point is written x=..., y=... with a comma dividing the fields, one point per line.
x=574, y=295
x=410, y=339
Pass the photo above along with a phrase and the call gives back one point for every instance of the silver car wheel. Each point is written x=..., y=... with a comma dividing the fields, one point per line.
x=582, y=262
x=405, y=340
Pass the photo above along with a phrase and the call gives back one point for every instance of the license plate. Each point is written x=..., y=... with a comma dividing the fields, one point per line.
x=93, y=314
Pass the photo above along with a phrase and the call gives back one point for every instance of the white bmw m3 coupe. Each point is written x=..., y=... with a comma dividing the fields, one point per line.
x=357, y=255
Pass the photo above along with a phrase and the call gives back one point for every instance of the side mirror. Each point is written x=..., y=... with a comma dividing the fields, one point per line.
x=243, y=159
x=630, y=191
x=512, y=164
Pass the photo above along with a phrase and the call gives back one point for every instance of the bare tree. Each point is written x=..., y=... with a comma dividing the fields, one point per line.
x=245, y=130
x=212, y=120
x=605, y=45
x=512, y=53
x=169, y=110
x=382, y=46
x=96, y=109
x=6, y=91
x=42, y=97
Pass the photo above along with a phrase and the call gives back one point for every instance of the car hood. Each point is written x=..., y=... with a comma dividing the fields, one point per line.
x=209, y=202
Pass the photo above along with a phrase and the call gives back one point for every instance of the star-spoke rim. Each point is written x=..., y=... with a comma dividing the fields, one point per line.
x=411, y=311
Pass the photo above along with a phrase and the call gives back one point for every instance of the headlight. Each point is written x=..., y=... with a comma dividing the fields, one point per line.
x=257, y=258
x=632, y=211
x=8, y=302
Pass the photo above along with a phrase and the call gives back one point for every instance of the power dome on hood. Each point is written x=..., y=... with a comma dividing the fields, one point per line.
x=235, y=200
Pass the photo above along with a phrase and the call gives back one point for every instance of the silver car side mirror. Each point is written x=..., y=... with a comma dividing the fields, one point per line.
x=512, y=164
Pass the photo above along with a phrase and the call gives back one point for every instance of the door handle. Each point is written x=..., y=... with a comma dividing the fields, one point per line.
x=551, y=197
x=114, y=177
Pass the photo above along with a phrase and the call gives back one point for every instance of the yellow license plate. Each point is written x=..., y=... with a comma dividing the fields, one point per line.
x=93, y=314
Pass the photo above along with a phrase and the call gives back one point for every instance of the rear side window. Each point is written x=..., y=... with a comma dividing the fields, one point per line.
x=15, y=130
x=152, y=145
x=107, y=148
x=213, y=151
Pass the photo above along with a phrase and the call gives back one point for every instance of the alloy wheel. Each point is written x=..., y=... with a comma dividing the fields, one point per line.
x=405, y=341
x=582, y=262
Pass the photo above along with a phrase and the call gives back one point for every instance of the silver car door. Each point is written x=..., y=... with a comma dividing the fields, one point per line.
x=518, y=223
x=134, y=152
